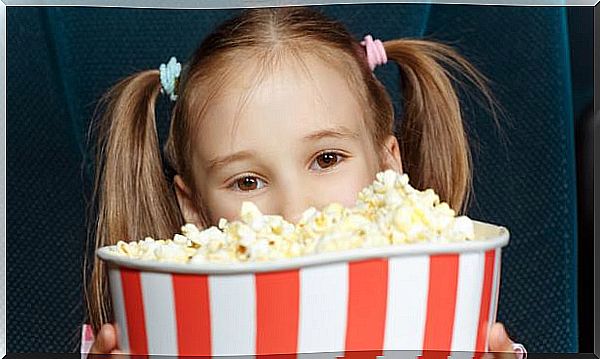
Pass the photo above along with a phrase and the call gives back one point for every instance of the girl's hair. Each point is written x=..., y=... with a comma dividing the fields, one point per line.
x=136, y=199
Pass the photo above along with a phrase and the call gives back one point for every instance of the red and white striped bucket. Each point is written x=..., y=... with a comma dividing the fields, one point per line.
x=416, y=297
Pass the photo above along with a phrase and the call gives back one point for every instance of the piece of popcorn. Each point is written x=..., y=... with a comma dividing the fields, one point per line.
x=388, y=212
x=180, y=239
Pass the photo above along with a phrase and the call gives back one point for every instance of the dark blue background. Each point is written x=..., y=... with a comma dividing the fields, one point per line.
x=60, y=60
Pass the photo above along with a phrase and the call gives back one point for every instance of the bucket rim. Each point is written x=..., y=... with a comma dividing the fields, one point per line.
x=488, y=236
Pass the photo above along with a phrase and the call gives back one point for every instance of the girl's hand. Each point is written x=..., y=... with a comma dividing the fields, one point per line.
x=106, y=341
x=500, y=343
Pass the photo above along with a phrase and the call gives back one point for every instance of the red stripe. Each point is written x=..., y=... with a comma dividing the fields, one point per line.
x=192, y=310
x=441, y=305
x=134, y=310
x=277, y=311
x=486, y=300
x=367, y=300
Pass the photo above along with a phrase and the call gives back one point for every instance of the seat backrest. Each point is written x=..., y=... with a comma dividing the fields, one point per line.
x=61, y=60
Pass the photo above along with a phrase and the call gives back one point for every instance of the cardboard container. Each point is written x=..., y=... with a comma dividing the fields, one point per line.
x=412, y=297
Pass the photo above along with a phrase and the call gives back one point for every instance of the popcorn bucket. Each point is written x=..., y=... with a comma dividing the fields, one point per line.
x=416, y=297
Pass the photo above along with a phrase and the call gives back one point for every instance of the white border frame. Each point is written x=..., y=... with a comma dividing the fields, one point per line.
x=181, y=4
x=229, y=4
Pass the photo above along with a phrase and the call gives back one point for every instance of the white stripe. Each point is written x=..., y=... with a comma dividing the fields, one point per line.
x=323, y=309
x=495, y=292
x=471, y=267
x=159, y=312
x=408, y=286
x=232, y=314
x=116, y=289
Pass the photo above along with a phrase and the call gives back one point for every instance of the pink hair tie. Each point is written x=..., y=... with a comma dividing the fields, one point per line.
x=375, y=51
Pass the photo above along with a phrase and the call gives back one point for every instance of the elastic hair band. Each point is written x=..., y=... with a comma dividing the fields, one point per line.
x=169, y=75
x=375, y=51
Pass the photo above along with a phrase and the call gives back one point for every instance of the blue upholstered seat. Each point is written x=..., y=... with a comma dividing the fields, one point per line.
x=60, y=60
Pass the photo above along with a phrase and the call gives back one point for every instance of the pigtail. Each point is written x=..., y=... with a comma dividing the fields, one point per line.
x=134, y=199
x=433, y=143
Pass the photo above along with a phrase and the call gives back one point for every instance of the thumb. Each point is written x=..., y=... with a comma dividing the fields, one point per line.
x=106, y=340
x=499, y=340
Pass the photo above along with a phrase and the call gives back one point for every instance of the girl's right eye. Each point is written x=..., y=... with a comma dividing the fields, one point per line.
x=247, y=183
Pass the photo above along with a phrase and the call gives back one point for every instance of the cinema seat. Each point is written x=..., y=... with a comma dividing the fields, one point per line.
x=60, y=60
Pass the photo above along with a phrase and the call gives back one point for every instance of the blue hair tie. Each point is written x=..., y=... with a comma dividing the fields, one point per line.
x=169, y=74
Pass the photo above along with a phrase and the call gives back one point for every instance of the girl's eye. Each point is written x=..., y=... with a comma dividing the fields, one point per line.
x=248, y=183
x=327, y=159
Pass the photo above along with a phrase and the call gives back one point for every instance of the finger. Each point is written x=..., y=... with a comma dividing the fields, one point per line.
x=97, y=344
x=500, y=342
x=106, y=340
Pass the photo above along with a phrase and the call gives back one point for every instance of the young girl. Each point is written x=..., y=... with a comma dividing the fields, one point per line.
x=280, y=107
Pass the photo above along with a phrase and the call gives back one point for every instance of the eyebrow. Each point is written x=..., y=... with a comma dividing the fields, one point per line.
x=336, y=132
x=219, y=162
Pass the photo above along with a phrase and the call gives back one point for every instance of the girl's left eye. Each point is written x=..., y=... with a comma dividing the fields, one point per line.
x=247, y=184
x=326, y=160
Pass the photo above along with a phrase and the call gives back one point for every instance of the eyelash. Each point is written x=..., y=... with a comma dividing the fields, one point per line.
x=341, y=158
x=234, y=182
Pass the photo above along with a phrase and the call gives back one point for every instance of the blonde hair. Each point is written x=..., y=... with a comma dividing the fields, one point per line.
x=135, y=198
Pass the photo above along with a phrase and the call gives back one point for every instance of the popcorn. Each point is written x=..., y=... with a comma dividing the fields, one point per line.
x=388, y=212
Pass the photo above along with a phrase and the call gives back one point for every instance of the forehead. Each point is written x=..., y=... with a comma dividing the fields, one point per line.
x=291, y=99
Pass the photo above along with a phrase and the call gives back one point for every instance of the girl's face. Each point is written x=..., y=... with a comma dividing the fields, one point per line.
x=286, y=143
